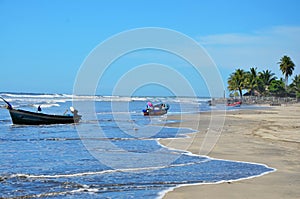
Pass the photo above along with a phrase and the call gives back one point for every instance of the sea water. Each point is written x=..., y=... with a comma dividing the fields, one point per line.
x=113, y=156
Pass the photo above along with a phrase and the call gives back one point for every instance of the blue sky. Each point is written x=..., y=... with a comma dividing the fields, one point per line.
x=44, y=43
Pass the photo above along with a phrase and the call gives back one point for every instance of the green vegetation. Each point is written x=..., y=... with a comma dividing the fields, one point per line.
x=295, y=86
x=287, y=68
x=237, y=81
x=265, y=83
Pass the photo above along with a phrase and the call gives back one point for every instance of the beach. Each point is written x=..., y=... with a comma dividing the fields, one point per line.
x=116, y=155
x=268, y=136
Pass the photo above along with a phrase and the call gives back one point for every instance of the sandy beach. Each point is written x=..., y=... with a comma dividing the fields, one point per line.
x=268, y=136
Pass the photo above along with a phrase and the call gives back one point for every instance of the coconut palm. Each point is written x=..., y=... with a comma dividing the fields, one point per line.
x=236, y=81
x=287, y=68
x=265, y=79
x=295, y=86
x=277, y=88
x=252, y=80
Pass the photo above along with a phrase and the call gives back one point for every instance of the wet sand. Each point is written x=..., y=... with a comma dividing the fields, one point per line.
x=268, y=136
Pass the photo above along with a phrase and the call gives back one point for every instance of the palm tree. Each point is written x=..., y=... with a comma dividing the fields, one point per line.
x=265, y=79
x=236, y=81
x=287, y=67
x=277, y=88
x=252, y=80
x=295, y=86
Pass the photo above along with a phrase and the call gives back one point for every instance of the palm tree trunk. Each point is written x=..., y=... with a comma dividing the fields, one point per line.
x=241, y=94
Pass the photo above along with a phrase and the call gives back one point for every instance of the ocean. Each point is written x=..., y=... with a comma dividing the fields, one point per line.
x=112, y=153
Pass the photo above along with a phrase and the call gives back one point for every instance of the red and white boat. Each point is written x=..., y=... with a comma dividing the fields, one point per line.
x=234, y=104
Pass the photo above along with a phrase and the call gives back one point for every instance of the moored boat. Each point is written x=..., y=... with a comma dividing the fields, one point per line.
x=24, y=117
x=234, y=104
x=158, y=109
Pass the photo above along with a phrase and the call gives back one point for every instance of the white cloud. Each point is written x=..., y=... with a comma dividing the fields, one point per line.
x=229, y=39
x=261, y=48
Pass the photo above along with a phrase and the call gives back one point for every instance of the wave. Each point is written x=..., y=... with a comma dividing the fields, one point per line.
x=119, y=112
x=34, y=100
x=139, y=169
x=45, y=105
x=78, y=189
x=30, y=95
x=73, y=97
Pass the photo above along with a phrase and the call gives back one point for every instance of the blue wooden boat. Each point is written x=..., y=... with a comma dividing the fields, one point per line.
x=24, y=117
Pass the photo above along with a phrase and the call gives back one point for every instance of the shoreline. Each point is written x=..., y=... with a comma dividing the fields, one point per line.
x=259, y=136
x=162, y=194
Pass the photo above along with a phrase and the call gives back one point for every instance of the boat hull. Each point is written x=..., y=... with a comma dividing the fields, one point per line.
x=154, y=112
x=234, y=104
x=30, y=118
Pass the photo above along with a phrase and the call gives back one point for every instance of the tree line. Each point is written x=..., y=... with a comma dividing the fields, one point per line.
x=265, y=83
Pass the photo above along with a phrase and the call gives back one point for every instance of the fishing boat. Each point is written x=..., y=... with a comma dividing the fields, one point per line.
x=234, y=104
x=24, y=117
x=158, y=109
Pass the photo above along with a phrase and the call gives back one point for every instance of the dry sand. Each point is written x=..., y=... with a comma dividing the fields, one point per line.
x=268, y=136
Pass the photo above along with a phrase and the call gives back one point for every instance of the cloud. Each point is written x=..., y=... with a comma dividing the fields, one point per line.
x=229, y=39
x=260, y=48
x=257, y=37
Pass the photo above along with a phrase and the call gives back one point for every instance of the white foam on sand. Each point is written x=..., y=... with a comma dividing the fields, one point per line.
x=164, y=192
